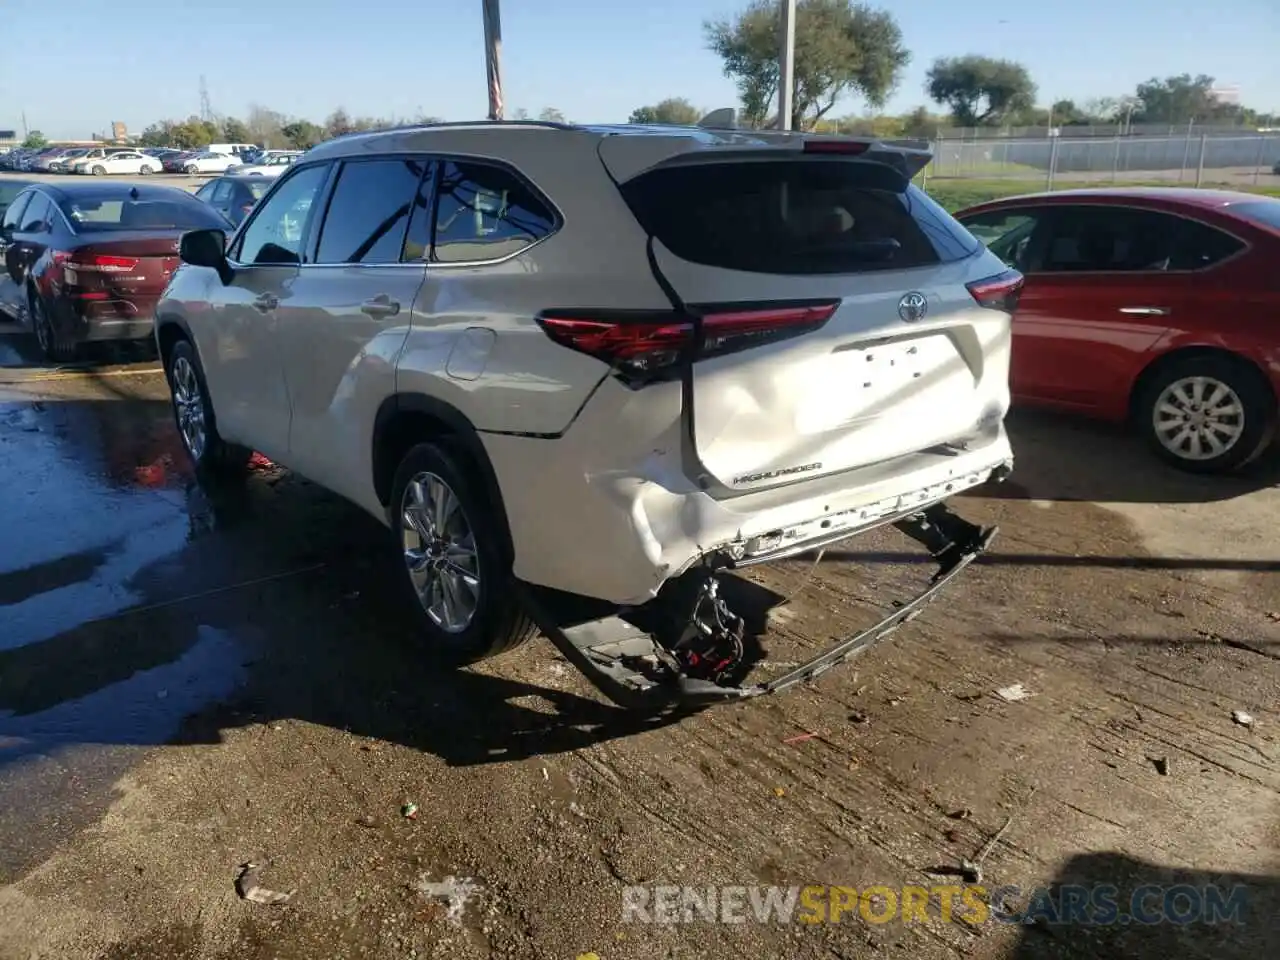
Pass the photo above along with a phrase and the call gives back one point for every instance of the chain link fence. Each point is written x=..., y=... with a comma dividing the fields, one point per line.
x=1194, y=159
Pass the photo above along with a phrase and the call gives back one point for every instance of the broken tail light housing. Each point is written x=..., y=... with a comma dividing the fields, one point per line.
x=1000, y=292
x=643, y=346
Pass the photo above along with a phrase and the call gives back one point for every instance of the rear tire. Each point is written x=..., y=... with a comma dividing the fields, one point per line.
x=194, y=417
x=146, y=171
x=54, y=346
x=98, y=171
x=191, y=169
x=1207, y=414
x=462, y=552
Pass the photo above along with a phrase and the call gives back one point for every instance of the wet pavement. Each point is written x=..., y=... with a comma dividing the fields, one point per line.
x=193, y=677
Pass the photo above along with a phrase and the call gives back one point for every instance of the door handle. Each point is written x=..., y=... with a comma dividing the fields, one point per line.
x=381, y=306
x=266, y=302
x=1145, y=311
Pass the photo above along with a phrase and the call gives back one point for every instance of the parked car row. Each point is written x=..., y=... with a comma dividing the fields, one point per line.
x=105, y=160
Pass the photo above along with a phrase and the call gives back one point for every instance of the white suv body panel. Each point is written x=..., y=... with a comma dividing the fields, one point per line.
x=602, y=487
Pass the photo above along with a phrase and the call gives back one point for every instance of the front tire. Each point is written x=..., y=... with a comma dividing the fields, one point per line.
x=1207, y=414
x=456, y=558
x=191, y=169
x=194, y=417
x=146, y=171
x=98, y=171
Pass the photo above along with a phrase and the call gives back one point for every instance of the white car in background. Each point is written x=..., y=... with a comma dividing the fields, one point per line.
x=209, y=162
x=272, y=164
x=131, y=161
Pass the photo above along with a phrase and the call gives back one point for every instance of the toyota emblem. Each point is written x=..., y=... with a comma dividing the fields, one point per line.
x=913, y=306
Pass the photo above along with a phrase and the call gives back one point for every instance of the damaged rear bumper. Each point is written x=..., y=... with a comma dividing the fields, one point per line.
x=626, y=665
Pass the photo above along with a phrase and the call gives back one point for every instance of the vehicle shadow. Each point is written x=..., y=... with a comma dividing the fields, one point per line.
x=1191, y=913
x=1058, y=457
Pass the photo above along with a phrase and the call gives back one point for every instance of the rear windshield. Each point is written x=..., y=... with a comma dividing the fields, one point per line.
x=1265, y=213
x=257, y=186
x=811, y=216
x=99, y=214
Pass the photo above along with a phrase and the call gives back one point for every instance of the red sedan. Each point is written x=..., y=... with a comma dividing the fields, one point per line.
x=1159, y=306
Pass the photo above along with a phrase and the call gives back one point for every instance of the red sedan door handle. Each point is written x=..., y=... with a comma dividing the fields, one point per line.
x=1145, y=311
x=381, y=306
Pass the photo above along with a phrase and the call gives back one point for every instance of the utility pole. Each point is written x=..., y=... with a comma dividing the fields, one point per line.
x=786, y=64
x=493, y=55
x=206, y=110
x=25, y=132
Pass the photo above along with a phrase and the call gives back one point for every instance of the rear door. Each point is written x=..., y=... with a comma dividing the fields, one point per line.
x=348, y=312
x=900, y=365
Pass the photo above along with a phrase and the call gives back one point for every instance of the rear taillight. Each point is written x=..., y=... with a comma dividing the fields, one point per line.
x=1000, y=292
x=646, y=345
x=75, y=263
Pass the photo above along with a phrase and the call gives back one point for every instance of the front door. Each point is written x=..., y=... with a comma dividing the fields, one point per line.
x=342, y=328
x=244, y=365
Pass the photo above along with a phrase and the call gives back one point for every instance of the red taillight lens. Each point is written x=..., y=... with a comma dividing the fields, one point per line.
x=845, y=147
x=1000, y=292
x=648, y=345
x=75, y=263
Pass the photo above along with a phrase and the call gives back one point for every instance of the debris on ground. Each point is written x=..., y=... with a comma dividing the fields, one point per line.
x=248, y=888
x=367, y=821
x=1161, y=764
x=577, y=810
x=971, y=870
x=800, y=738
x=1242, y=718
x=779, y=792
x=409, y=811
x=456, y=890
x=1013, y=693
x=859, y=717
x=587, y=956
x=964, y=813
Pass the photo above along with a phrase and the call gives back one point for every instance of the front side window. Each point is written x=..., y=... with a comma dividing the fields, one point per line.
x=1006, y=233
x=369, y=210
x=274, y=235
x=485, y=212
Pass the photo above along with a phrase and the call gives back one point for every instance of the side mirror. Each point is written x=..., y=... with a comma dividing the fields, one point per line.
x=207, y=248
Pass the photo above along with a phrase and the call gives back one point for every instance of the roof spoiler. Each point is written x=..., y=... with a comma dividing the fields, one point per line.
x=726, y=118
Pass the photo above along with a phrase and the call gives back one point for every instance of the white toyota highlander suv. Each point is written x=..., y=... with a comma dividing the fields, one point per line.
x=612, y=361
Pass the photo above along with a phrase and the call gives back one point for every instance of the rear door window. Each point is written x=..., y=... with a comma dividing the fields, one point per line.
x=810, y=216
x=13, y=215
x=36, y=217
x=485, y=212
x=370, y=210
x=1115, y=239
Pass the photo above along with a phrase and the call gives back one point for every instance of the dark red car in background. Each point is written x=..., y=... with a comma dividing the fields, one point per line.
x=1156, y=305
x=89, y=260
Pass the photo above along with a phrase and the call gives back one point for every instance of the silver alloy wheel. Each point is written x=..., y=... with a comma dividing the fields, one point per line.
x=440, y=552
x=188, y=404
x=1198, y=418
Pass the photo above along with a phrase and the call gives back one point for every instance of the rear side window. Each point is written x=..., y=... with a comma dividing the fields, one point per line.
x=13, y=212
x=36, y=215
x=812, y=216
x=371, y=204
x=485, y=212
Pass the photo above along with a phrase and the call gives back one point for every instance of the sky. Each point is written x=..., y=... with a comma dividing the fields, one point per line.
x=89, y=63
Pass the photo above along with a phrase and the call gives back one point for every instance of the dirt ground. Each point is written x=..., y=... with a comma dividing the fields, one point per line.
x=1139, y=608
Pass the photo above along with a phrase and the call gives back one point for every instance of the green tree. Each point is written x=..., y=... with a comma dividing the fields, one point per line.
x=842, y=48
x=1176, y=100
x=157, y=135
x=192, y=133
x=302, y=134
x=235, y=130
x=35, y=140
x=675, y=110
x=338, y=124
x=981, y=91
